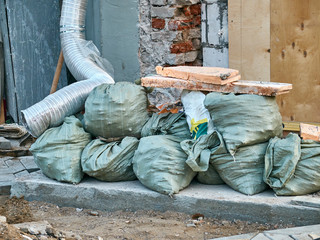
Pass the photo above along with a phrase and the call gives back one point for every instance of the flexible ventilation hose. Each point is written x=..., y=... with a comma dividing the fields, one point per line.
x=52, y=110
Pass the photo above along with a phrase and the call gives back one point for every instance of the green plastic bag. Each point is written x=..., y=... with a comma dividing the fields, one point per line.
x=110, y=161
x=210, y=177
x=199, y=153
x=160, y=164
x=244, y=171
x=167, y=124
x=244, y=119
x=116, y=110
x=57, y=151
x=297, y=177
x=281, y=159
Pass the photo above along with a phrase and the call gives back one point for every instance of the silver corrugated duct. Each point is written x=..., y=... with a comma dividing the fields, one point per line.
x=72, y=27
x=51, y=111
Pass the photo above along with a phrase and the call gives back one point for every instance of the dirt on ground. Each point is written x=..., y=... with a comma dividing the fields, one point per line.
x=90, y=224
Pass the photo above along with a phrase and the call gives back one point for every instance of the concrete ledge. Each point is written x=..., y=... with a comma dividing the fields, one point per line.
x=298, y=233
x=212, y=201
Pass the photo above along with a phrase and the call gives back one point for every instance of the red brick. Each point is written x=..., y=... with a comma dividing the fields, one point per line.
x=175, y=25
x=196, y=21
x=181, y=47
x=186, y=11
x=195, y=9
x=158, y=23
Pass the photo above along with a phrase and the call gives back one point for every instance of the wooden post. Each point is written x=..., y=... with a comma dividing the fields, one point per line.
x=57, y=73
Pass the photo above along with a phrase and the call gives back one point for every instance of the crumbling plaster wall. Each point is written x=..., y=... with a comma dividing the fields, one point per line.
x=170, y=33
x=136, y=36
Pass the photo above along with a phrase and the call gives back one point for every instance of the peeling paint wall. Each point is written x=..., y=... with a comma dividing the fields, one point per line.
x=215, y=33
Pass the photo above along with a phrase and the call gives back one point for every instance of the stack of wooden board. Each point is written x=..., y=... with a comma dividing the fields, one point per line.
x=211, y=79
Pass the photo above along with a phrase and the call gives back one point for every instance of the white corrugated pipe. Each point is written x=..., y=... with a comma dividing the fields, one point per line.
x=51, y=111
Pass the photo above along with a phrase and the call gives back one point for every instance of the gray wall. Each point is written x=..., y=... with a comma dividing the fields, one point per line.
x=113, y=25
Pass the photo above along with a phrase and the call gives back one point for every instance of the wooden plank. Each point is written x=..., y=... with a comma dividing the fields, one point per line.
x=295, y=57
x=295, y=126
x=245, y=87
x=249, y=38
x=56, y=77
x=309, y=132
x=212, y=75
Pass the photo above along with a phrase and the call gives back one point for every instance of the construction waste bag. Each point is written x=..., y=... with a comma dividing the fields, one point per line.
x=244, y=119
x=292, y=166
x=174, y=124
x=110, y=162
x=199, y=154
x=242, y=172
x=210, y=177
x=116, y=110
x=198, y=117
x=57, y=152
x=160, y=164
x=281, y=159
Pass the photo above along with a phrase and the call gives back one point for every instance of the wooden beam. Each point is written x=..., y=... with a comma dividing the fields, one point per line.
x=212, y=75
x=244, y=87
x=57, y=73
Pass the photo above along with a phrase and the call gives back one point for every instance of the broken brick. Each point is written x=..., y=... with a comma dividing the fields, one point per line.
x=181, y=47
x=158, y=23
x=195, y=9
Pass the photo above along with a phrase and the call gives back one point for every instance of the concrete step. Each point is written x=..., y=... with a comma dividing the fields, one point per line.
x=213, y=201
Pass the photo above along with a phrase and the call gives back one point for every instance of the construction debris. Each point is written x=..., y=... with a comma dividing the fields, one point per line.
x=116, y=110
x=309, y=132
x=240, y=86
x=111, y=162
x=222, y=138
x=12, y=131
x=58, y=150
x=210, y=75
x=292, y=166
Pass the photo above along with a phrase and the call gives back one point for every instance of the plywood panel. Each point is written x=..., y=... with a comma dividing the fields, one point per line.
x=249, y=38
x=295, y=57
x=234, y=23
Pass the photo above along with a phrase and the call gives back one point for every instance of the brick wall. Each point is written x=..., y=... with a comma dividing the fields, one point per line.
x=170, y=33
